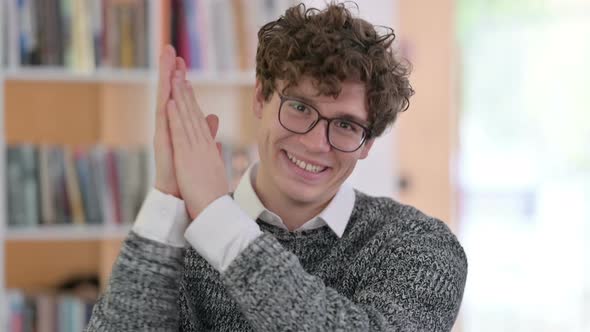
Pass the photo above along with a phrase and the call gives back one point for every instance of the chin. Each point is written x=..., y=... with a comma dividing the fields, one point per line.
x=303, y=195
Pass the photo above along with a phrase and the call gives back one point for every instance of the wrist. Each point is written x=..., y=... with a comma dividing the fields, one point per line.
x=168, y=190
x=191, y=213
x=195, y=208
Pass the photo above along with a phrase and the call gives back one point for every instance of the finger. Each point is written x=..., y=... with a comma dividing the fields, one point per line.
x=181, y=65
x=192, y=100
x=178, y=92
x=199, y=117
x=220, y=151
x=198, y=121
x=166, y=67
x=213, y=123
x=181, y=72
x=177, y=132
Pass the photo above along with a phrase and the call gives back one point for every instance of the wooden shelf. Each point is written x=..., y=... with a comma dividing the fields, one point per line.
x=244, y=78
x=60, y=74
x=105, y=75
x=63, y=112
x=67, y=232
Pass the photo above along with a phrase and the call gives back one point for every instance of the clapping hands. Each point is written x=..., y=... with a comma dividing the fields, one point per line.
x=188, y=161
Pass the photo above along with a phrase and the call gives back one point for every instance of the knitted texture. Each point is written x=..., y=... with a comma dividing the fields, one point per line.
x=394, y=269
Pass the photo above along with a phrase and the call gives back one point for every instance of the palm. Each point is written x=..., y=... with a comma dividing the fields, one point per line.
x=166, y=180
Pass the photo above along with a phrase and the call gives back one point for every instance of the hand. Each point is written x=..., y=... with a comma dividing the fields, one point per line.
x=164, y=155
x=197, y=162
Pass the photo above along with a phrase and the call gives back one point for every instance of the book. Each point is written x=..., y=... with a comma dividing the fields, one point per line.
x=22, y=185
x=59, y=193
x=48, y=311
x=216, y=36
x=46, y=183
x=51, y=184
x=73, y=188
x=46, y=306
x=88, y=187
x=81, y=35
x=66, y=12
x=30, y=184
x=98, y=169
x=113, y=188
x=131, y=168
x=15, y=206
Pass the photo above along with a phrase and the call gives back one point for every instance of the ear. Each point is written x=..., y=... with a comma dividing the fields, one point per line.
x=366, y=148
x=258, y=101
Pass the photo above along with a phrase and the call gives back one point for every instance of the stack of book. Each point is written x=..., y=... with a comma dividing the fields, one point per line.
x=47, y=312
x=78, y=35
x=74, y=185
x=217, y=35
x=4, y=25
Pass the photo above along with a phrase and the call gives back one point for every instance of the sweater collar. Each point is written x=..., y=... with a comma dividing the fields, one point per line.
x=336, y=215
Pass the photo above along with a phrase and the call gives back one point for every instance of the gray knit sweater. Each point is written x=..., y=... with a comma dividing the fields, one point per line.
x=394, y=269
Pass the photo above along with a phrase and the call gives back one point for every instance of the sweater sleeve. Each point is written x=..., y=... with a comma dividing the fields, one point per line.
x=400, y=292
x=142, y=294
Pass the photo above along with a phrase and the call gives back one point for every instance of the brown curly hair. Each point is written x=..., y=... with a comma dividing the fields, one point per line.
x=331, y=46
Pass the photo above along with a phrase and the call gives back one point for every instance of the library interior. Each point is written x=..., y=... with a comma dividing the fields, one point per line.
x=495, y=143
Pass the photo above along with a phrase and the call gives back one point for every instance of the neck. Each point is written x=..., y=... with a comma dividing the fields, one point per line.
x=284, y=206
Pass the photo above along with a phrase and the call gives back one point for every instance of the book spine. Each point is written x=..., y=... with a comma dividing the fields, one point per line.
x=30, y=185
x=73, y=189
x=113, y=185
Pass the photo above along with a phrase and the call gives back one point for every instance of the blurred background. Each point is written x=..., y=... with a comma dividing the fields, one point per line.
x=496, y=141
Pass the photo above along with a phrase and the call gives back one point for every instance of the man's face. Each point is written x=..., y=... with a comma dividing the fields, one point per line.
x=283, y=153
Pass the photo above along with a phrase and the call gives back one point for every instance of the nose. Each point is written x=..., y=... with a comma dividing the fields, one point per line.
x=317, y=139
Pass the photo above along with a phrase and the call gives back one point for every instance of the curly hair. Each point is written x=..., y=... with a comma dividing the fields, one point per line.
x=331, y=46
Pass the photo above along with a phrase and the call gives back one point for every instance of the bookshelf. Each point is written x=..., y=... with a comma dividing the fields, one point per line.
x=67, y=233
x=114, y=106
x=3, y=304
x=53, y=74
x=102, y=103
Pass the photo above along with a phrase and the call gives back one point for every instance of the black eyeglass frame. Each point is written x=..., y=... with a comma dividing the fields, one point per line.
x=366, y=131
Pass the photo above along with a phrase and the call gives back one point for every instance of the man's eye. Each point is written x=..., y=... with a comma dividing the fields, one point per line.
x=345, y=125
x=299, y=107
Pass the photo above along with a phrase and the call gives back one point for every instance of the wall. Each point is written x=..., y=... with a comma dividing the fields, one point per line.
x=426, y=135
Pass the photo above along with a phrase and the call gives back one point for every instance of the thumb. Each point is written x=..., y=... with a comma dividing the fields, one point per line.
x=213, y=123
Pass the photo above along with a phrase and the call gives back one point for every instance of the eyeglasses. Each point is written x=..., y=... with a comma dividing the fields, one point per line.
x=299, y=118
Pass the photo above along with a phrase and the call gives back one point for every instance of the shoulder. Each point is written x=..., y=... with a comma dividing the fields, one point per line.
x=415, y=257
x=405, y=229
x=385, y=212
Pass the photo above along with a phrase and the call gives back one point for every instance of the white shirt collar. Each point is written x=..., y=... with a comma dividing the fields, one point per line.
x=336, y=215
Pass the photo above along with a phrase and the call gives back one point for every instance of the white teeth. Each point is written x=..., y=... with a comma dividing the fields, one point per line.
x=302, y=164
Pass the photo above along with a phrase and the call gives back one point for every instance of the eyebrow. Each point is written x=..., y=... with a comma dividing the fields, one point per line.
x=297, y=96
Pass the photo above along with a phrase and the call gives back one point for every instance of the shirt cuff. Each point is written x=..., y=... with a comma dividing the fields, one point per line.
x=221, y=232
x=162, y=218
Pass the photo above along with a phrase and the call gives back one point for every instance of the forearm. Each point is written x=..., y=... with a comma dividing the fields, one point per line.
x=276, y=294
x=142, y=293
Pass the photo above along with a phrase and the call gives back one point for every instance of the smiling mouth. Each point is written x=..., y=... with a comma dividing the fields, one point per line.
x=304, y=165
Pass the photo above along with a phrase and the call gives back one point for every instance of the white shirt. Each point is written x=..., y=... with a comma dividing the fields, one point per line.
x=227, y=226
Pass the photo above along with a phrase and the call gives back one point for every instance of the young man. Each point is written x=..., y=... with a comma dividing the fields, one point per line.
x=293, y=248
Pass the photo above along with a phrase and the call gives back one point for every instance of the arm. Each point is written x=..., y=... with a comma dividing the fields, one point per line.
x=402, y=290
x=276, y=294
x=142, y=292
x=143, y=289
